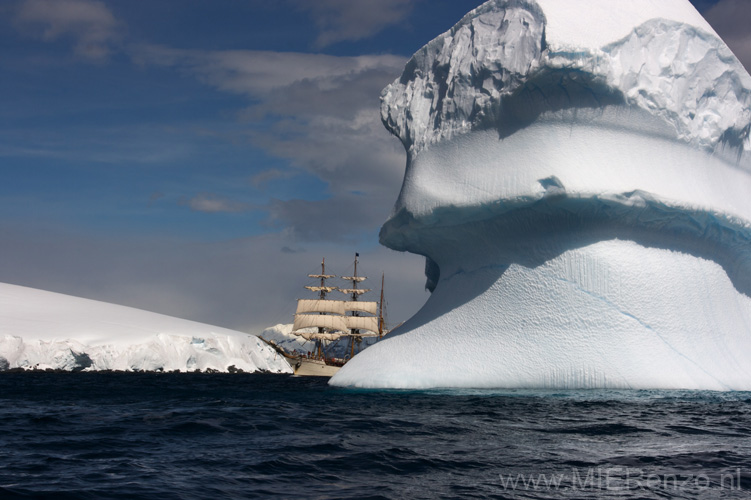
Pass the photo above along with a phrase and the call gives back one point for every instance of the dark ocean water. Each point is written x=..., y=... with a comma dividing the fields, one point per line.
x=191, y=436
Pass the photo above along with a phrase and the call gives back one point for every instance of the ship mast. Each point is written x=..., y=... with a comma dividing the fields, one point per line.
x=323, y=290
x=352, y=339
x=380, y=310
x=331, y=318
x=319, y=342
x=323, y=278
x=355, y=321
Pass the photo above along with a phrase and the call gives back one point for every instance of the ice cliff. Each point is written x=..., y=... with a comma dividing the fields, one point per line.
x=41, y=330
x=578, y=179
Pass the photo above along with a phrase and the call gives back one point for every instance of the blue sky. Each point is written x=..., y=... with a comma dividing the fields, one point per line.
x=198, y=158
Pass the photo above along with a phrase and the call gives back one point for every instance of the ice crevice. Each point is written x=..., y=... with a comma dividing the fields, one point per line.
x=642, y=323
x=610, y=304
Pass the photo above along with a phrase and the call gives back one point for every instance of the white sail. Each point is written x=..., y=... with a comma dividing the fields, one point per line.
x=320, y=321
x=363, y=334
x=320, y=336
x=322, y=276
x=362, y=323
x=354, y=278
x=358, y=291
x=356, y=305
x=321, y=306
x=326, y=289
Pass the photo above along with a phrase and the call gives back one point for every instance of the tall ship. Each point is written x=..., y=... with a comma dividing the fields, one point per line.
x=328, y=322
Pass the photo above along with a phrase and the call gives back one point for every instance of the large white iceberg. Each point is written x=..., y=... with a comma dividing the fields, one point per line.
x=41, y=330
x=579, y=180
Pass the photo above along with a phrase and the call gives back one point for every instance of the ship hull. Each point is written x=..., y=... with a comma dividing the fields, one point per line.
x=305, y=367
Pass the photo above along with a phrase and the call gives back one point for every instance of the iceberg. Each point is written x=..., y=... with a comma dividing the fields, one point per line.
x=45, y=330
x=578, y=178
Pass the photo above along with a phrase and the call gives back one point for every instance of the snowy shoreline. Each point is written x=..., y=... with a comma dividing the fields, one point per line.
x=231, y=370
x=42, y=330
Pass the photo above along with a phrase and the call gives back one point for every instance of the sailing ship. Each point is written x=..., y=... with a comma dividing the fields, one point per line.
x=328, y=321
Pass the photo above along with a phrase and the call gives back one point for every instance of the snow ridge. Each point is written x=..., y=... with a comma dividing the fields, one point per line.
x=41, y=330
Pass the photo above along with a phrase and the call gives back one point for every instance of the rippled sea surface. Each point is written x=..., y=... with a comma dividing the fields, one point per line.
x=191, y=436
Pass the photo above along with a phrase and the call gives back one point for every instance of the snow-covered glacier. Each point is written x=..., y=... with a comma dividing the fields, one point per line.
x=41, y=330
x=579, y=180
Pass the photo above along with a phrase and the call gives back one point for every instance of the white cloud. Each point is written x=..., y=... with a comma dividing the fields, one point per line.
x=257, y=73
x=322, y=114
x=730, y=19
x=341, y=20
x=334, y=220
x=260, y=179
x=211, y=203
x=89, y=23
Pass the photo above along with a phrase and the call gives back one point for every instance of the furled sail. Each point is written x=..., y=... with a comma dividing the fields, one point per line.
x=356, y=305
x=358, y=291
x=322, y=276
x=320, y=321
x=326, y=289
x=354, y=278
x=362, y=323
x=322, y=306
